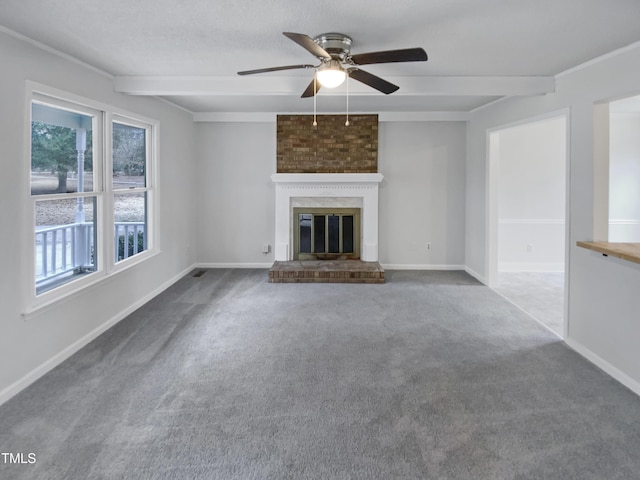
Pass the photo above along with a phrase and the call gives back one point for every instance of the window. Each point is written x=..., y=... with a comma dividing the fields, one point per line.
x=91, y=198
x=130, y=189
x=64, y=194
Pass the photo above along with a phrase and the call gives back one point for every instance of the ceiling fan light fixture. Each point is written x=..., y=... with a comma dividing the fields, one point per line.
x=337, y=63
x=331, y=74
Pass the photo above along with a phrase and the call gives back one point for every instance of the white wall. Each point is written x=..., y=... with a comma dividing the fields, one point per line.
x=421, y=197
x=30, y=346
x=603, y=310
x=236, y=198
x=531, y=196
x=624, y=177
x=422, y=194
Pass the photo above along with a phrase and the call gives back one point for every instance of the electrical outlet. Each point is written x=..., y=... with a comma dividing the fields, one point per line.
x=266, y=248
x=529, y=247
x=428, y=245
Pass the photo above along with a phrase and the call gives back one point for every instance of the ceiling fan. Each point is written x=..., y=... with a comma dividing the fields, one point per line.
x=336, y=62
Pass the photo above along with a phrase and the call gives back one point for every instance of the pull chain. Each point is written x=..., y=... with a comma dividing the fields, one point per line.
x=315, y=92
x=346, y=124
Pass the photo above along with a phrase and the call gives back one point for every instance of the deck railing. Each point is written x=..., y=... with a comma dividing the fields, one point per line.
x=70, y=248
x=129, y=239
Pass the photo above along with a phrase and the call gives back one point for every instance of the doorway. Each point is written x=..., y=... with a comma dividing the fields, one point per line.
x=527, y=207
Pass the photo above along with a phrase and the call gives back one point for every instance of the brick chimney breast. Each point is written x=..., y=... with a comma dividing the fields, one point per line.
x=331, y=147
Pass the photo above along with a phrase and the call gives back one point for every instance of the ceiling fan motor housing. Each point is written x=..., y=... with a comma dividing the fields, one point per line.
x=338, y=45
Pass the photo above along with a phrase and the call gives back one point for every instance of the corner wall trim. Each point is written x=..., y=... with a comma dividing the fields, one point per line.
x=61, y=356
x=260, y=117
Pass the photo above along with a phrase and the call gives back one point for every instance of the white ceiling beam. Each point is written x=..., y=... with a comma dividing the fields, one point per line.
x=382, y=116
x=292, y=85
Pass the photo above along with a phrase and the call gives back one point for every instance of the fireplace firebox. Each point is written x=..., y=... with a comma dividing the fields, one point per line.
x=326, y=234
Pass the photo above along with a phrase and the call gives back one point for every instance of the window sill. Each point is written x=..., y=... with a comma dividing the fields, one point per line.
x=625, y=251
x=82, y=286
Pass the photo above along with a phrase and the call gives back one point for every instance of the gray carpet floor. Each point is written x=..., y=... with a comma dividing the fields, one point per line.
x=541, y=294
x=225, y=376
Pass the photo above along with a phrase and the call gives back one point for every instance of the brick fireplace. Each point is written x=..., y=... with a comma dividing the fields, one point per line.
x=330, y=169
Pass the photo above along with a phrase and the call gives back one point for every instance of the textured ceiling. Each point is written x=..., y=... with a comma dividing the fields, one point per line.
x=204, y=38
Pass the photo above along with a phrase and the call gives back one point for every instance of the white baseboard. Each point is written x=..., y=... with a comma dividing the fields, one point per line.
x=410, y=266
x=61, y=356
x=234, y=265
x=530, y=267
x=476, y=275
x=609, y=369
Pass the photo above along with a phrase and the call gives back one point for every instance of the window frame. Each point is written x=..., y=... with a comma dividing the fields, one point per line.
x=151, y=136
x=104, y=115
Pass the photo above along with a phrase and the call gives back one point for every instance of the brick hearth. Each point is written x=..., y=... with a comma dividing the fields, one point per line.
x=326, y=271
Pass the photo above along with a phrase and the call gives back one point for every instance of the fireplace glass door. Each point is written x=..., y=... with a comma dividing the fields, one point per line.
x=326, y=234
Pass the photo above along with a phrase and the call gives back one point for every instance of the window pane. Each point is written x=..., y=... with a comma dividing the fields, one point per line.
x=130, y=229
x=347, y=233
x=61, y=151
x=129, y=156
x=334, y=233
x=65, y=241
x=318, y=233
x=305, y=233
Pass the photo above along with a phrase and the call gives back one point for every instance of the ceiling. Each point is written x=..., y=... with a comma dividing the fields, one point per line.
x=188, y=51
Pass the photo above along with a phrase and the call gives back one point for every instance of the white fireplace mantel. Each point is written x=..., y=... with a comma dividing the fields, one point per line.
x=301, y=187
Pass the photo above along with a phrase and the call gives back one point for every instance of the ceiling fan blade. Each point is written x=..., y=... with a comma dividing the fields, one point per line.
x=306, y=42
x=391, y=56
x=274, y=69
x=309, y=92
x=373, y=81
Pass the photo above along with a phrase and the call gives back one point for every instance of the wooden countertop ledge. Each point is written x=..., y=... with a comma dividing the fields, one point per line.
x=625, y=251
